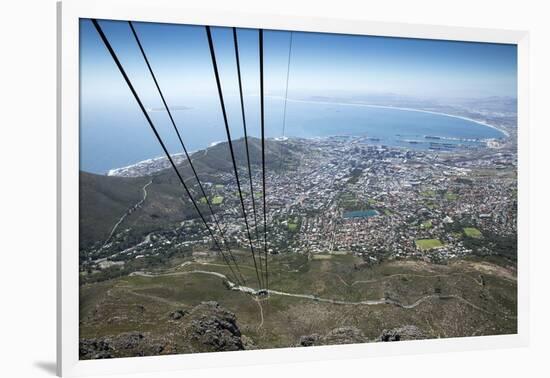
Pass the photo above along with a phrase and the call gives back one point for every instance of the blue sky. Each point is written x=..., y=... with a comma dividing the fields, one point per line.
x=321, y=64
x=115, y=133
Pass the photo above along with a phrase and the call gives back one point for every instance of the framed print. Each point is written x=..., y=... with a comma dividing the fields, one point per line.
x=239, y=188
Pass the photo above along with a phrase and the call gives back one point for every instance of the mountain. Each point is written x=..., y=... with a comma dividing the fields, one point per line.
x=105, y=199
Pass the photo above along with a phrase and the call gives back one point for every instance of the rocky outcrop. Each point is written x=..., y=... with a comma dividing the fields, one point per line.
x=123, y=345
x=178, y=314
x=353, y=335
x=95, y=349
x=215, y=328
x=207, y=327
x=309, y=340
x=408, y=332
x=342, y=335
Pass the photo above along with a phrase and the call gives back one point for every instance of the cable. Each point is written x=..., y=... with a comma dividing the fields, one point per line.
x=235, y=39
x=261, y=48
x=236, y=45
x=153, y=128
x=222, y=103
x=184, y=148
x=286, y=98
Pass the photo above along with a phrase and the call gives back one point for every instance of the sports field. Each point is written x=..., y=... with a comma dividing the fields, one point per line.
x=426, y=244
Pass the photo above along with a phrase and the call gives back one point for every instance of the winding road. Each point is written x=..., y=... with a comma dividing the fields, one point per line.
x=128, y=212
x=375, y=302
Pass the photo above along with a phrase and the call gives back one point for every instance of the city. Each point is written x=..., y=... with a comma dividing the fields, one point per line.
x=347, y=196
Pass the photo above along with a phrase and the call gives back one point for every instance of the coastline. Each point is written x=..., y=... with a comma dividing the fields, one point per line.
x=162, y=158
x=116, y=171
x=366, y=105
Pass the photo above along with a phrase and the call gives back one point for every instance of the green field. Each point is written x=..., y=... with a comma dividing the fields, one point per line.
x=203, y=200
x=472, y=232
x=293, y=224
x=427, y=244
x=217, y=200
x=349, y=202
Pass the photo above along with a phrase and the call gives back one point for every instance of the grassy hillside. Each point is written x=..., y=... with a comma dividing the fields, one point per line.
x=213, y=160
x=103, y=200
x=464, y=298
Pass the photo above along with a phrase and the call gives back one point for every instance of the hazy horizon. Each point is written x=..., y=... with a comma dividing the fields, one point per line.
x=358, y=68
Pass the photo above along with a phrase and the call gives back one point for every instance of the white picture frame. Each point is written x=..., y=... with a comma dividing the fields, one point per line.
x=172, y=11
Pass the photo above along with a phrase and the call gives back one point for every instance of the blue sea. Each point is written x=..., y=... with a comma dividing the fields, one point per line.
x=115, y=135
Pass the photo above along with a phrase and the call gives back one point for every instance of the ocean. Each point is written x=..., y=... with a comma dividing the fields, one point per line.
x=117, y=136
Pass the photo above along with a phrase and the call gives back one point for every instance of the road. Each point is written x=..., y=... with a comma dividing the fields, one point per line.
x=375, y=302
x=128, y=212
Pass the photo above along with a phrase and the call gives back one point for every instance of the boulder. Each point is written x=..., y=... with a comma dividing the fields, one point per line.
x=126, y=344
x=95, y=349
x=407, y=332
x=178, y=314
x=309, y=340
x=341, y=335
x=215, y=328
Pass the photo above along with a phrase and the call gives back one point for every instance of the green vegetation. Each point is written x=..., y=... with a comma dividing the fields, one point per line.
x=430, y=205
x=428, y=193
x=493, y=245
x=321, y=257
x=451, y=196
x=104, y=199
x=472, y=232
x=143, y=304
x=115, y=195
x=217, y=200
x=349, y=202
x=427, y=224
x=294, y=224
x=427, y=244
x=377, y=288
x=355, y=175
